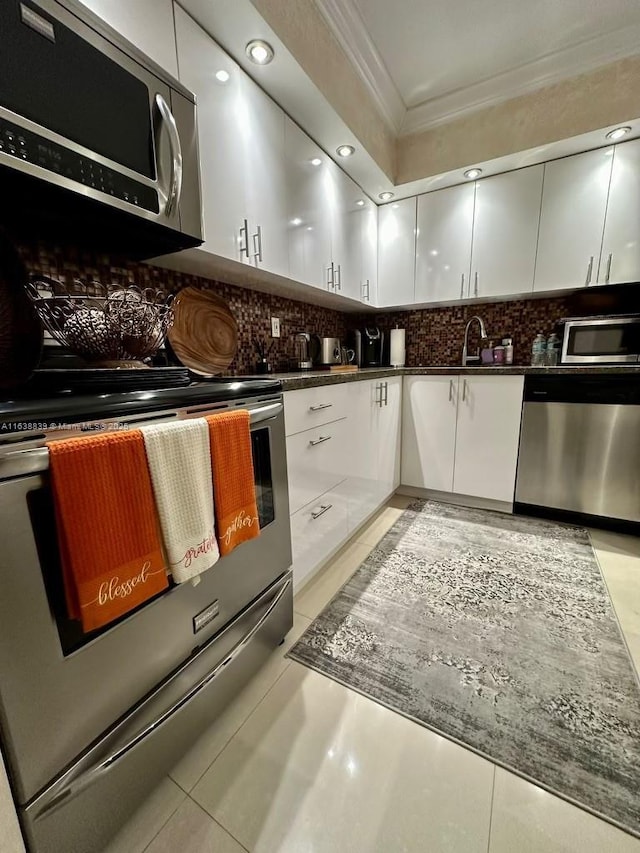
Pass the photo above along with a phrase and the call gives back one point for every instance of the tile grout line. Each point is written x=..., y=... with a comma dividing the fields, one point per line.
x=164, y=823
x=493, y=792
x=222, y=827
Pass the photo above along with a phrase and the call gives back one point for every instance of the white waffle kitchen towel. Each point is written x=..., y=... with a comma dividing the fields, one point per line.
x=179, y=458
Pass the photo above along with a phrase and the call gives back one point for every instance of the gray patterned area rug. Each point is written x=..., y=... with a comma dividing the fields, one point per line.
x=498, y=632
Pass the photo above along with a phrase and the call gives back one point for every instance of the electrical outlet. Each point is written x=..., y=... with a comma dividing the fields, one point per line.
x=275, y=327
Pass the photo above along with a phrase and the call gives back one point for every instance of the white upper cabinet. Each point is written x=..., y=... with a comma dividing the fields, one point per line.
x=620, y=259
x=346, y=255
x=369, y=238
x=309, y=217
x=241, y=142
x=574, y=201
x=146, y=23
x=505, y=233
x=397, y=252
x=443, y=243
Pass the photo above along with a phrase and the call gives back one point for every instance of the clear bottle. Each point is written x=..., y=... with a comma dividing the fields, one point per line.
x=507, y=343
x=552, y=355
x=538, y=350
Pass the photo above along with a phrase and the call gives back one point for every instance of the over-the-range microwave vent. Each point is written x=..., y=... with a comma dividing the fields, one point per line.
x=97, y=144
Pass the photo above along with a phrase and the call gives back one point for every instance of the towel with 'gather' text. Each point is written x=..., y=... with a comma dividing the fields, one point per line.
x=108, y=535
x=180, y=464
x=233, y=479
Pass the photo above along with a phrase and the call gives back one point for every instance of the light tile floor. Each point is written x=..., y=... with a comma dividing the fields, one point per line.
x=300, y=764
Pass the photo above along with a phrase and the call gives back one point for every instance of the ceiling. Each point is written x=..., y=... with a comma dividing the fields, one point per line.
x=428, y=61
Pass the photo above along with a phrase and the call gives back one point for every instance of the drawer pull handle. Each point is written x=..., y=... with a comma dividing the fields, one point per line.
x=320, y=407
x=323, y=508
x=320, y=440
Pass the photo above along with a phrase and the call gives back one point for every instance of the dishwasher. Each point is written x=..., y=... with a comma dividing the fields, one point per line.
x=580, y=449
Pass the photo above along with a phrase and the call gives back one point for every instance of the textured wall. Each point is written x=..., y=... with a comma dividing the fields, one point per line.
x=304, y=31
x=609, y=95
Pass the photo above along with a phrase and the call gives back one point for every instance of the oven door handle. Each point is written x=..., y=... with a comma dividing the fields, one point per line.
x=265, y=413
x=122, y=740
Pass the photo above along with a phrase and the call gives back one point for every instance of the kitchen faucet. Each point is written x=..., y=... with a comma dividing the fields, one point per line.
x=466, y=359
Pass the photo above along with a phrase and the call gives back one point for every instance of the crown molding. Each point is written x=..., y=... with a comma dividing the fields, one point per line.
x=346, y=24
x=552, y=68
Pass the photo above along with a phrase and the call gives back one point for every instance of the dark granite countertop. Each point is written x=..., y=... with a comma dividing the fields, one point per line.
x=314, y=378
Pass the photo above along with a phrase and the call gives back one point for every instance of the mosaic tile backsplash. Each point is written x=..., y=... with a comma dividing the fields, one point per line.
x=434, y=336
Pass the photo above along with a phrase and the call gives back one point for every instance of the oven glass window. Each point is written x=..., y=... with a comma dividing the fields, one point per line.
x=615, y=339
x=68, y=86
x=42, y=514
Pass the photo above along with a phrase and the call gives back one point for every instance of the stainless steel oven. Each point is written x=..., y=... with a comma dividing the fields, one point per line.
x=90, y=722
x=601, y=340
x=88, y=124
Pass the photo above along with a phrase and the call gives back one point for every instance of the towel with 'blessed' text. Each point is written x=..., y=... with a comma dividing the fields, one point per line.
x=108, y=535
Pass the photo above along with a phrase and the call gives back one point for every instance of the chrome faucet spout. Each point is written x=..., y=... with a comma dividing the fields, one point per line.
x=466, y=358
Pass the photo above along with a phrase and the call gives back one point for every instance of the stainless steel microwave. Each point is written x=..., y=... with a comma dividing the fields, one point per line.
x=601, y=340
x=92, y=132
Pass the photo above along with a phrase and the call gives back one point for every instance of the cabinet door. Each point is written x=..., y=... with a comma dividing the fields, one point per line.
x=396, y=252
x=574, y=200
x=622, y=227
x=148, y=24
x=309, y=218
x=261, y=135
x=487, y=436
x=443, y=243
x=345, y=232
x=388, y=439
x=221, y=147
x=317, y=529
x=505, y=233
x=429, y=431
x=369, y=243
x=362, y=461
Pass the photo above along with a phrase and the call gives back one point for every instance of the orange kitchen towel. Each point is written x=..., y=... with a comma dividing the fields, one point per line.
x=234, y=492
x=109, y=539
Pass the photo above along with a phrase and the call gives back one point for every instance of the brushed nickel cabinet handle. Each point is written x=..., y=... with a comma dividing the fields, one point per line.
x=475, y=286
x=464, y=389
x=386, y=393
x=450, y=390
x=338, y=281
x=257, y=245
x=462, y=287
x=330, y=277
x=320, y=406
x=320, y=440
x=244, y=245
x=608, y=275
x=323, y=508
x=589, y=272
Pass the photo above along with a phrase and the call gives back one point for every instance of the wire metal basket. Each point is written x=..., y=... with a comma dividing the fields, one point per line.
x=106, y=324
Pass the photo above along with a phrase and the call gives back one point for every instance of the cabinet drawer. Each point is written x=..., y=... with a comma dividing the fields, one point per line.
x=311, y=407
x=316, y=530
x=316, y=462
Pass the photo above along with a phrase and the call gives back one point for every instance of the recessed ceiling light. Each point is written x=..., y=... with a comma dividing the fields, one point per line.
x=345, y=150
x=316, y=161
x=296, y=221
x=618, y=133
x=259, y=52
x=385, y=196
x=222, y=75
x=360, y=202
x=471, y=174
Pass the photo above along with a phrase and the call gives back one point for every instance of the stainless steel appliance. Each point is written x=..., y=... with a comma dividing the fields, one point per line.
x=580, y=447
x=325, y=351
x=368, y=346
x=92, y=133
x=601, y=340
x=90, y=722
x=303, y=359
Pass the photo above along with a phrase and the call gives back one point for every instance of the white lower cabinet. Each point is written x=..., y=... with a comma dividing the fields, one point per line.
x=338, y=482
x=317, y=530
x=460, y=434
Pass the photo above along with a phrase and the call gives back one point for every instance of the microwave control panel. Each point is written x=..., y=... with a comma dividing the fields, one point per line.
x=28, y=146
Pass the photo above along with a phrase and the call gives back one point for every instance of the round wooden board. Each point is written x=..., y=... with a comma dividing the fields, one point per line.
x=204, y=334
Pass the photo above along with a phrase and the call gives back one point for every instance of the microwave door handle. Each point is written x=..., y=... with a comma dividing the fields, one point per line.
x=175, y=181
x=77, y=778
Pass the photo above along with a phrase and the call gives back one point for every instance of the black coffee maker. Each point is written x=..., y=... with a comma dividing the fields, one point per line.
x=368, y=343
